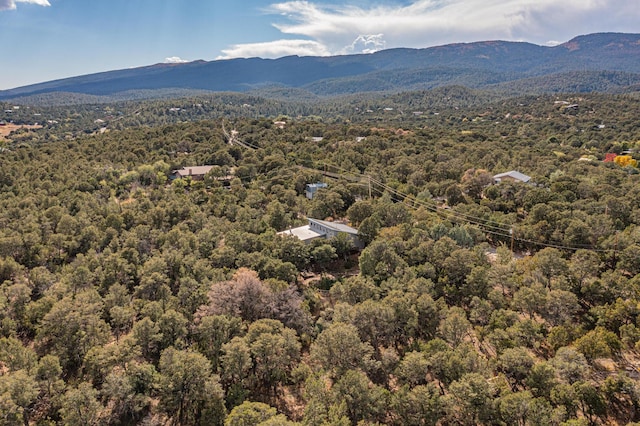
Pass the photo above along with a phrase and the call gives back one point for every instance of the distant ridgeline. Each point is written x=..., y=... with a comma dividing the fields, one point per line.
x=606, y=62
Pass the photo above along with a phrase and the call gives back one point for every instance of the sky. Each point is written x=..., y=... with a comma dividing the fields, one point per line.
x=51, y=39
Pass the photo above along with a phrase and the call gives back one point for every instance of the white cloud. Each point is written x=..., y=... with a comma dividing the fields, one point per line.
x=366, y=44
x=328, y=29
x=423, y=23
x=11, y=4
x=275, y=49
x=175, y=60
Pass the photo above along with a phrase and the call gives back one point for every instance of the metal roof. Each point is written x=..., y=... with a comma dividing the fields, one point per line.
x=339, y=227
x=303, y=233
x=193, y=171
x=514, y=175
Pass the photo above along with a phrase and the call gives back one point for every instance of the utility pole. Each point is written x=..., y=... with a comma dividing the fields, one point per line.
x=512, y=237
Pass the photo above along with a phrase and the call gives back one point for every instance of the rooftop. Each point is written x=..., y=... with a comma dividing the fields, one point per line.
x=303, y=233
x=513, y=175
x=193, y=170
x=340, y=227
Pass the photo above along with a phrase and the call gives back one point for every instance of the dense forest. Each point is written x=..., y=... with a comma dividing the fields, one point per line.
x=128, y=297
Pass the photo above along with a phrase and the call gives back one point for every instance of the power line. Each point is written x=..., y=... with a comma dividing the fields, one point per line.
x=488, y=226
x=497, y=229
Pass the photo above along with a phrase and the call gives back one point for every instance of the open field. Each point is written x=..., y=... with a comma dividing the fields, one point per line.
x=6, y=129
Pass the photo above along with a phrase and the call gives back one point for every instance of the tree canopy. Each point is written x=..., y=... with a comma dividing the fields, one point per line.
x=128, y=296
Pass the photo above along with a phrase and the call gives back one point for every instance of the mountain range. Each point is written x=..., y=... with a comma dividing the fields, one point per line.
x=604, y=62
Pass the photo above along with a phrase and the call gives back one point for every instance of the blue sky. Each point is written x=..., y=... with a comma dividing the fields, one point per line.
x=50, y=39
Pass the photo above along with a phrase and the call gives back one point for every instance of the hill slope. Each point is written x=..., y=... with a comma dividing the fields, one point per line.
x=477, y=65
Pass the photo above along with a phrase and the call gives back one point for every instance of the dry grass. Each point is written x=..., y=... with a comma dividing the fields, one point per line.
x=10, y=127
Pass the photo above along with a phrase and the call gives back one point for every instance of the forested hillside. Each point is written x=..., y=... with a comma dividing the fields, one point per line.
x=601, y=62
x=128, y=297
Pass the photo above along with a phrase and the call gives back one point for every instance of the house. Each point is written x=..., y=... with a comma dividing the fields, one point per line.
x=573, y=108
x=512, y=176
x=195, y=172
x=322, y=229
x=311, y=189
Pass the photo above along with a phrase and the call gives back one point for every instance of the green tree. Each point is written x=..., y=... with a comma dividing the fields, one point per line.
x=541, y=413
x=276, y=216
x=561, y=306
x=18, y=393
x=453, y=194
x=212, y=332
x=359, y=211
x=339, y=349
x=354, y=290
x=455, y=327
x=189, y=393
x=380, y=261
x=369, y=229
x=447, y=365
x=147, y=336
x=515, y=407
x=474, y=181
x=323, y=254
x=516, y=364
x=15, y=356
x=598, y=343
x=48, y=374
x=530, y=300
x=172, y=326
x=250, y=414
x=291, y=249
x=376, y=323
x=128, y=393
x=570, y=364
x=71, y=328
x=327, y=203
x=469, y=402
x=275, y=351
x=80, y=406
x=550, y=264
x=121, y=319
x=320, y=409
x=418, y=406
x=235, y=369
x=541, y=379
x=413, y=369
x=364, y=400
x=591, y=401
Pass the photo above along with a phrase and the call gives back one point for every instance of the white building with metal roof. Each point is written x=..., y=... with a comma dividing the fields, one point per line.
x=512, y=176
x=323, y=229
